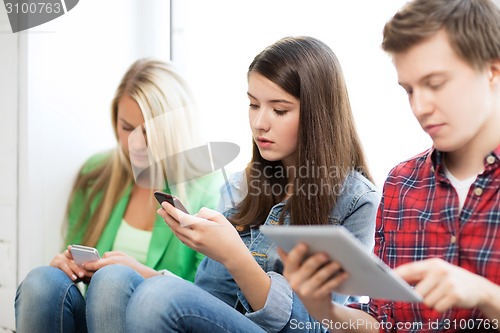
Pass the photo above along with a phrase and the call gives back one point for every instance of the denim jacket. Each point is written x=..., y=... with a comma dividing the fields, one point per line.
x=356, y=210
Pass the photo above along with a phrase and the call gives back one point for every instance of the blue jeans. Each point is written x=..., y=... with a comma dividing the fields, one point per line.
x=49, y=301
x=170, y=304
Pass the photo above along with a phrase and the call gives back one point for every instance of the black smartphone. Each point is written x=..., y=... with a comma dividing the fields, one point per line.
x=171, y=199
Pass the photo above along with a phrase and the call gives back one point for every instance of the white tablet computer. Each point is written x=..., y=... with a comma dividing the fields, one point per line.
x=369, y=276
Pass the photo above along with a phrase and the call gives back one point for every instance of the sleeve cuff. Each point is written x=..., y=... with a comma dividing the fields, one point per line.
x=278, y=308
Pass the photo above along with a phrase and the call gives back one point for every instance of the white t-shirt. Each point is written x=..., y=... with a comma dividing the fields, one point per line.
x=461, y=186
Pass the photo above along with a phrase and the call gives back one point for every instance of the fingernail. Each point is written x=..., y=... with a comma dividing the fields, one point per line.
x=74, y=277
x=80, y=274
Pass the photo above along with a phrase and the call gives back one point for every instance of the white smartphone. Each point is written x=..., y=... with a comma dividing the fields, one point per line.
x=82, y=254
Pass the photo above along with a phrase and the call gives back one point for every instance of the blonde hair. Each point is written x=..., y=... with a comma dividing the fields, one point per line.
x=167, y=106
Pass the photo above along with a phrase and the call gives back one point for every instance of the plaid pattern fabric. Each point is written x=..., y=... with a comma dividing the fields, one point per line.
x=419, y=218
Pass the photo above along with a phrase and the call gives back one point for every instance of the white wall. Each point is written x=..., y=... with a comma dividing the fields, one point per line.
x=8, y=171
x=56, y=85
x=74, y=65
x=215, y=41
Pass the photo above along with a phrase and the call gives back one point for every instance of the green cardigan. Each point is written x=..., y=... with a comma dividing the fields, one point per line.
x=165, y=250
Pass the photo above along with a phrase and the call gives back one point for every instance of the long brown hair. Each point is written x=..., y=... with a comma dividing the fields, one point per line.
x=168, y=108
x=328, y=147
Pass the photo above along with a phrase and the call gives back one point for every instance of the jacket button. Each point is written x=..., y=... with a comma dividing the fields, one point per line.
x=478, y=191
x=490, y=159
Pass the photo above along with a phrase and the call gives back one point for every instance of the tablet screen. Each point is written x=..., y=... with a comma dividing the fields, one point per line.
x=368, y=275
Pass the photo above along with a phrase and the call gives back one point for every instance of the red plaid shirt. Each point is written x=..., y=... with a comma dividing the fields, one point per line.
x=419, y=218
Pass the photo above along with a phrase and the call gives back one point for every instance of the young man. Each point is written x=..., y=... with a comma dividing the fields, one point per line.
x=439, y=218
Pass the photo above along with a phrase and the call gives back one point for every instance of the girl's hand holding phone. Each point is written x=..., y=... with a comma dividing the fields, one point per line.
x=65, y=262
x=207, y=232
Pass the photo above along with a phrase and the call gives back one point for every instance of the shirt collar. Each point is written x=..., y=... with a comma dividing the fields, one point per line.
x=496, y=152
x=436, y=158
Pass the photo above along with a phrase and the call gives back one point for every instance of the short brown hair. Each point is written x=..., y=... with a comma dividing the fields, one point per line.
x=473, y=28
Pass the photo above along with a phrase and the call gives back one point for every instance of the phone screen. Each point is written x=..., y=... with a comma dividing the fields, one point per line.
x=171, y=199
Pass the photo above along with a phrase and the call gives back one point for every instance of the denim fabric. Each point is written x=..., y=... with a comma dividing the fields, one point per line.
x=170, y=304
x=356, y=210
x=107, y=297
x=215, y=302
x=49, y=301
